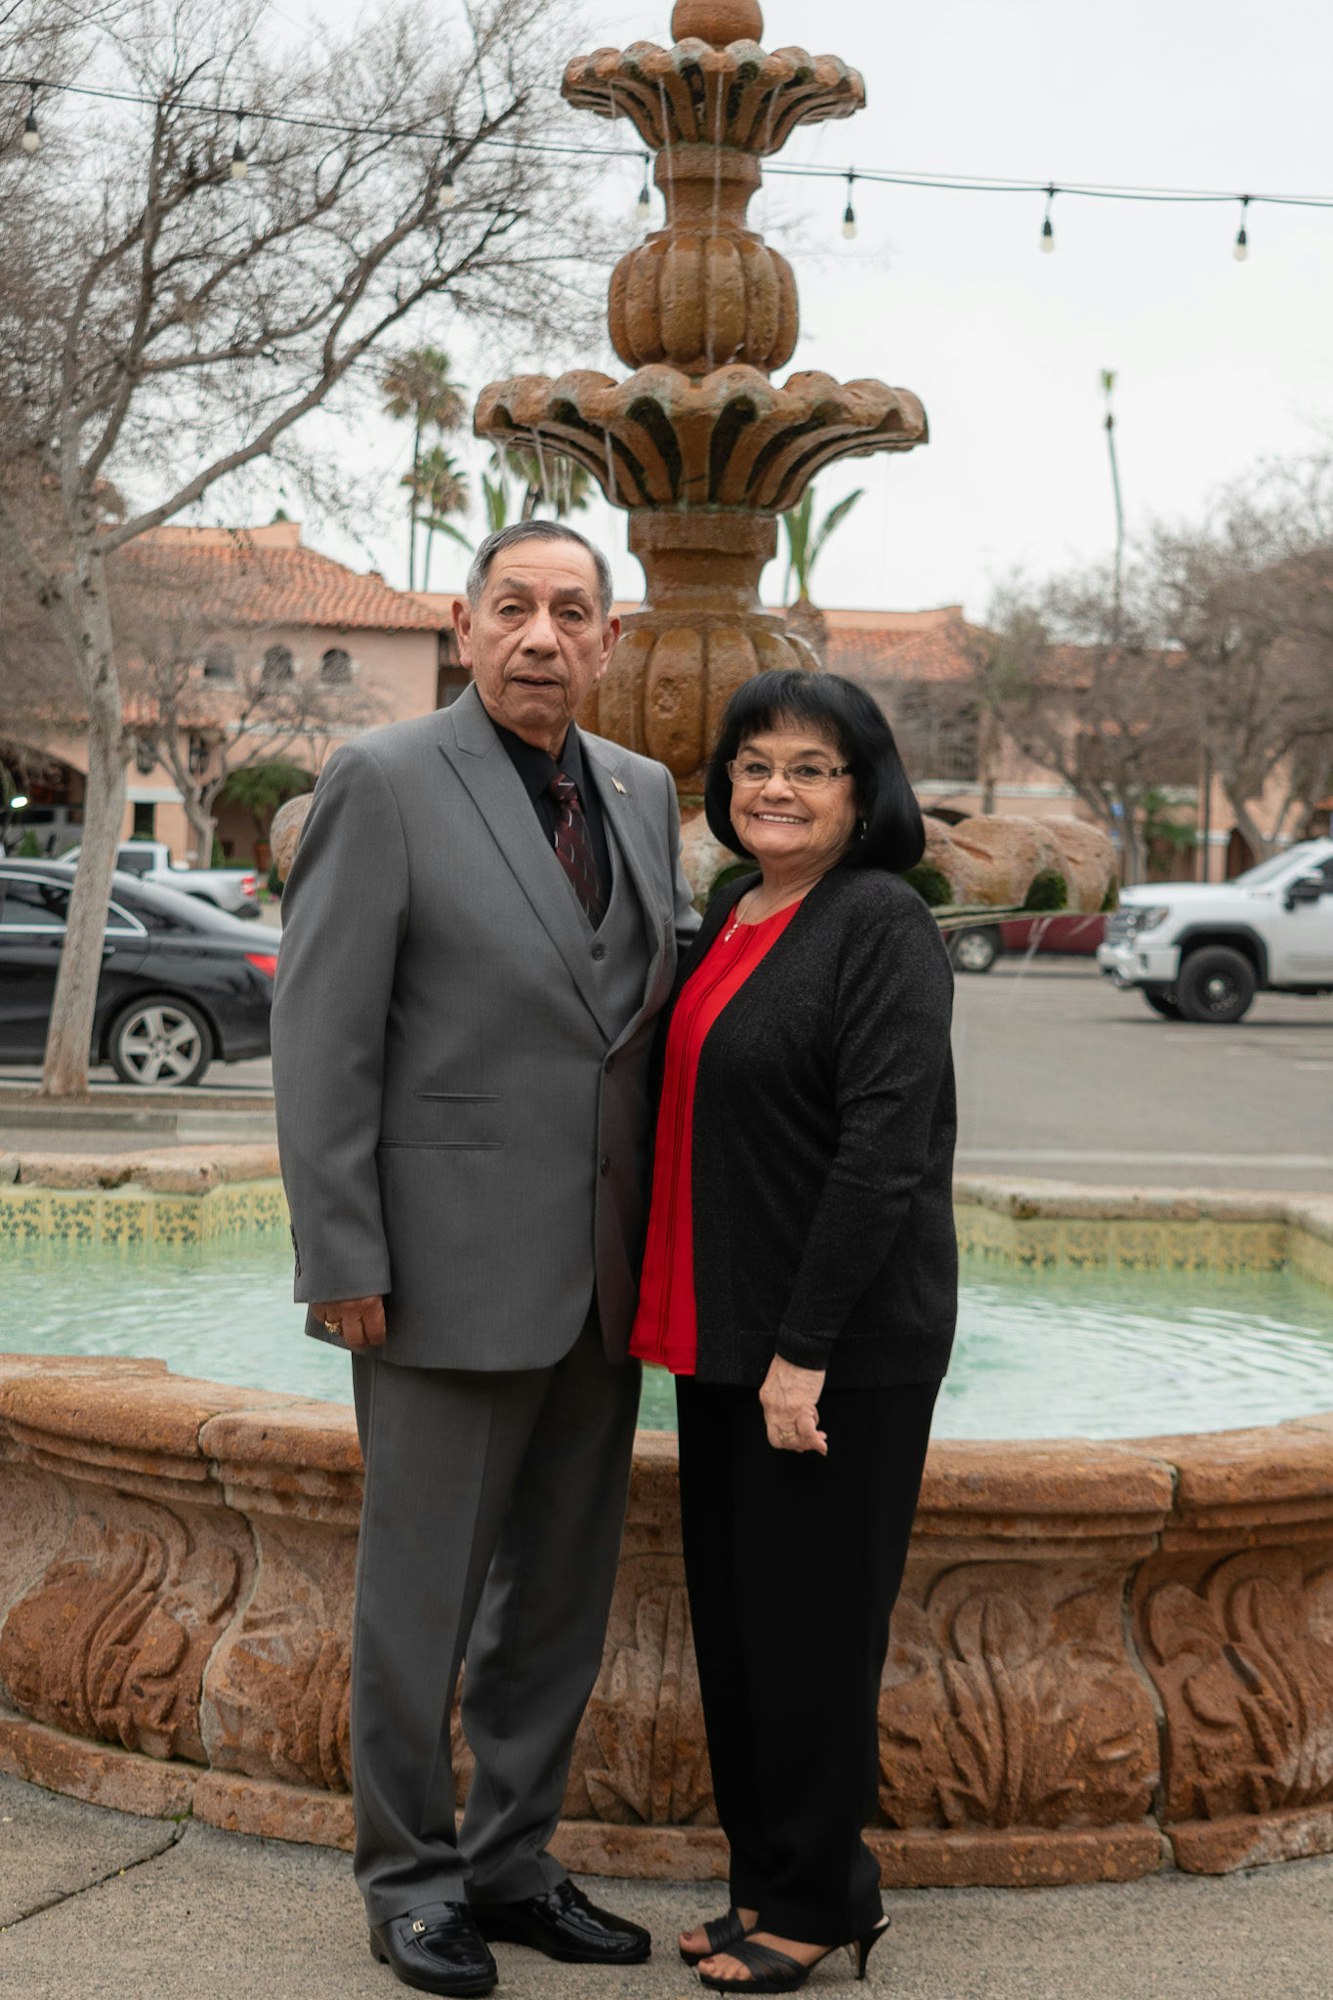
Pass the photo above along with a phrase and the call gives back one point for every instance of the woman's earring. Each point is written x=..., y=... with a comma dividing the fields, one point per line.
x=860, y=829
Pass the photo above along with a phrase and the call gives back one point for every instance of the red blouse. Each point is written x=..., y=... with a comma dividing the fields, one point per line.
x=665, y=1327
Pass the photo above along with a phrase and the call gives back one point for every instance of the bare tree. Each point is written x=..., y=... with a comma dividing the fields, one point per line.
x=180, y=286
x=204, y=703
x=1248, y=600
x=1073, y=675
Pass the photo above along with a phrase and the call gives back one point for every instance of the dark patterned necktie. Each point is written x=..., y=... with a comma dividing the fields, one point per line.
x=574, y=848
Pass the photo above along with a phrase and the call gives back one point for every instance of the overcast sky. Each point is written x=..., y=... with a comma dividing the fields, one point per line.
x=1219, y=365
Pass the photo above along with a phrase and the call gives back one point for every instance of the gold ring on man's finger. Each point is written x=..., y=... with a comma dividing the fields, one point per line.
x=332, y=1326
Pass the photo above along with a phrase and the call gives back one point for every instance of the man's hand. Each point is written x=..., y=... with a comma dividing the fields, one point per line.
x=359, y=1321
x=790, y=1399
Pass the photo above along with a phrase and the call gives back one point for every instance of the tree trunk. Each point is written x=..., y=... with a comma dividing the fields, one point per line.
x=202, y=826
x=1258, y=842
x=65, y=1072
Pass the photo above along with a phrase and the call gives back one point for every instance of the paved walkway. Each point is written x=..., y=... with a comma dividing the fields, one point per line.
x=100, y=1906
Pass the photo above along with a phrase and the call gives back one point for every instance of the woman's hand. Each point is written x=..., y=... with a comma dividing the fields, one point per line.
x=790, y=1400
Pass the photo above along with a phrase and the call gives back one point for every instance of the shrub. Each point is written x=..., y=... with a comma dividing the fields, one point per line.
x=930, y=883
x=1111, y=900
x=1048, y=891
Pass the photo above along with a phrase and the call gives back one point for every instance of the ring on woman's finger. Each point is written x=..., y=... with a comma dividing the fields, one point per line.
x=786, y=1437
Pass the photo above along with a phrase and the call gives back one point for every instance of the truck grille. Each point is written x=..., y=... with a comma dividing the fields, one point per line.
x=1120, y=927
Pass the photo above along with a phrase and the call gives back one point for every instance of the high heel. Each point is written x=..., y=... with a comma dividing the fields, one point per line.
x=773, y=1971
x=722, y=1933
x=863, y=1946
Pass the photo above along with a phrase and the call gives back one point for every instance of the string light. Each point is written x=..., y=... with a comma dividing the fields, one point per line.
x=644, y=205
x=239, y=164
x=32, y=138
x=849, y=213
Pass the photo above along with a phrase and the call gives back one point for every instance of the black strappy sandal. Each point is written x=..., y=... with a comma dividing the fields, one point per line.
x=774, y=1972
x=722, y=1933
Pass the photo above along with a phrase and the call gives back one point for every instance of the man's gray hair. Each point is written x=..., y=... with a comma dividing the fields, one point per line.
x=536, y=531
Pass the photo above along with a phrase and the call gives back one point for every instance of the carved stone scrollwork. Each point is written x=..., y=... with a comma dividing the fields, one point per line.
x=1241, y=1653
x=1008, y=1701
x=113, y=1642
x=641, y=1757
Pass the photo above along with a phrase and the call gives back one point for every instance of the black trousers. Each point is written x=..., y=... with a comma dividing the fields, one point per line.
x=793, y=1563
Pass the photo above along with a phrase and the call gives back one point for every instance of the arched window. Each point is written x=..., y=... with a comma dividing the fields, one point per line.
x=335, y=667
x=219, y=664
x=278, y=666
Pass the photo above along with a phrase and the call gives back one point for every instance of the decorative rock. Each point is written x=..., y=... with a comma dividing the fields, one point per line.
x=285, y=832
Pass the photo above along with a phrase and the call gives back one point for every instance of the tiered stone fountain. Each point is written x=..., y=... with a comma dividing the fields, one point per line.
x=700, y=445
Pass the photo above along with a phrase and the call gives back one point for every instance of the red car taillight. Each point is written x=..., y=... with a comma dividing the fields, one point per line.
x=263, y=961
x=249, y=883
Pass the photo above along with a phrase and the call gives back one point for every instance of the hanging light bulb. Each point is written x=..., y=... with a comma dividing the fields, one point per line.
x=32, y=138
x=643, y=207
x=1048, y=227
x=849, y=213
x=239, y=164
x=1241, y=249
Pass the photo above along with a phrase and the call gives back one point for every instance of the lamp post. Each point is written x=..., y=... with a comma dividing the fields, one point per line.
x=1108, y=384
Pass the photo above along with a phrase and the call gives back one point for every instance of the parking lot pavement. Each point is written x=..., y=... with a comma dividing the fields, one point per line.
x=1061, y=1077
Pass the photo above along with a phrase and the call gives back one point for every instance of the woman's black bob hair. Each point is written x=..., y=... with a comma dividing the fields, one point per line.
x=892, y=836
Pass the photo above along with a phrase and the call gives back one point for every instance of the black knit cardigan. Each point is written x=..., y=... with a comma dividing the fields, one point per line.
x=823, y=1139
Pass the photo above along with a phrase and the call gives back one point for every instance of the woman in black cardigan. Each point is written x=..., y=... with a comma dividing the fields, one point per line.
x=800, y=1280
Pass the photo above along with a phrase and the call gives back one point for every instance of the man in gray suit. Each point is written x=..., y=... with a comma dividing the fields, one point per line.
x=480, y=927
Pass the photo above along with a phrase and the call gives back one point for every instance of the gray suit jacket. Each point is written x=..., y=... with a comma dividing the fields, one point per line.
x=461, y=1126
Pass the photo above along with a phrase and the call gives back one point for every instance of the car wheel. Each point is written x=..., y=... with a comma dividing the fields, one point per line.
x=159, y=1041
x=1163, y=1001
x=1215, y=985
x=975, y=951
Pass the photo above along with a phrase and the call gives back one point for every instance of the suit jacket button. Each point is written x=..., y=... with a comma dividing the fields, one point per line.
x=599, y=951
x=606, y=1163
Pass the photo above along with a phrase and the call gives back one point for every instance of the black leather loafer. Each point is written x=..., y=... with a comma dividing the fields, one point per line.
x=565, y=1925
x=441, y=1952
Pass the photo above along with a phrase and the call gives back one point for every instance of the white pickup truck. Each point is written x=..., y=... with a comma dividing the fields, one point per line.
x=230, y=889
x=1201, y=951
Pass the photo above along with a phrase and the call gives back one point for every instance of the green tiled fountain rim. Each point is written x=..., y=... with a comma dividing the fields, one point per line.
x=1040, y=1225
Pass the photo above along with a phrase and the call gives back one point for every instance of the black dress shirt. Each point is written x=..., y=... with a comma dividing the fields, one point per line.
x=536, y=767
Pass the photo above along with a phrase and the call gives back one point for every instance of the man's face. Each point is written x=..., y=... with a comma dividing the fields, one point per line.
x=537, y=642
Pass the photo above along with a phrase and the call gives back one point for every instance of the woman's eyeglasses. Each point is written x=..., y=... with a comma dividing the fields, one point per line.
x=753, y=773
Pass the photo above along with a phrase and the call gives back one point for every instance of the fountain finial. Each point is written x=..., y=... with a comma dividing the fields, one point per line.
x=717, y=21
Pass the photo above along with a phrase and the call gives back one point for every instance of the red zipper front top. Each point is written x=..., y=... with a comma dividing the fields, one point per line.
x=666, y=1329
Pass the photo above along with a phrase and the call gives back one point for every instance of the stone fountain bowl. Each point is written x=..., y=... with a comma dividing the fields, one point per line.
x=1107, y=1657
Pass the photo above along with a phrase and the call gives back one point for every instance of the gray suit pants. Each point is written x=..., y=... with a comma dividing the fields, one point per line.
x=490, y=1528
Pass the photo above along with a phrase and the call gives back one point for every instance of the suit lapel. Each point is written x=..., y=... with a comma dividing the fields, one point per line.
x=473, y=750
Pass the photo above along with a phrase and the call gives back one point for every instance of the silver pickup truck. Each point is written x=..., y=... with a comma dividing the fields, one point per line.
x=231, y=889
x=1200, y=952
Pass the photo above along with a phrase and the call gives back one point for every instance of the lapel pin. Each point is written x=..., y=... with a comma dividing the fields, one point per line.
x=620, y=788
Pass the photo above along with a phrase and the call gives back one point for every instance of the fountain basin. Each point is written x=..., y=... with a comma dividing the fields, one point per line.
x=1108, y=1656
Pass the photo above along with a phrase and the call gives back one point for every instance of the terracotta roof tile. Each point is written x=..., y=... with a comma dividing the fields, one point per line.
x=935, y=651
x=251, y=577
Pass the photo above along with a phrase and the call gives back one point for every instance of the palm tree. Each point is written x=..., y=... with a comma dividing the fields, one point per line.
x=440, y=487
x=544, y=480
x=419, y=385
x=805, y=541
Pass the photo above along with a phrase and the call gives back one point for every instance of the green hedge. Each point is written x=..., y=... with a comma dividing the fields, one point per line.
x=930, y=884
x=1048, y=891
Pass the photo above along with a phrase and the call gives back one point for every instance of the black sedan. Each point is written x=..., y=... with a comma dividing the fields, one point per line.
x=182, y=984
